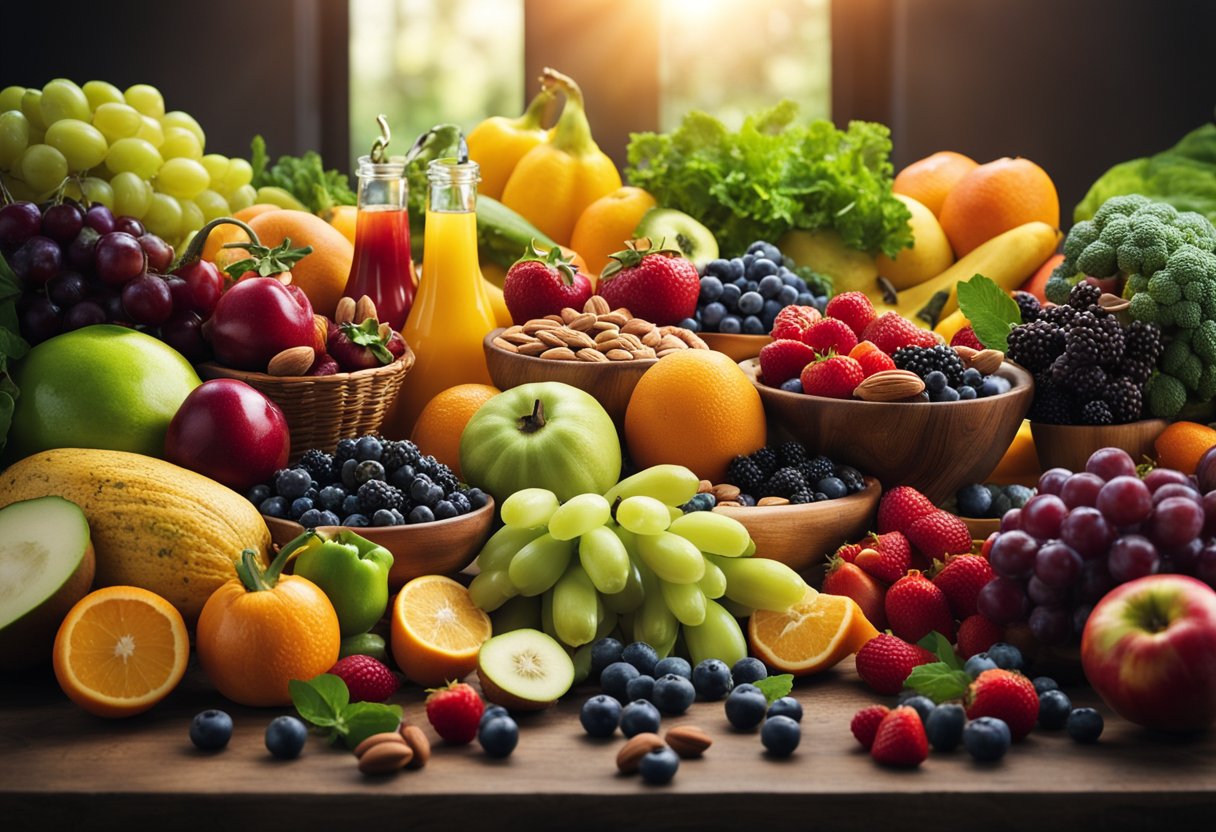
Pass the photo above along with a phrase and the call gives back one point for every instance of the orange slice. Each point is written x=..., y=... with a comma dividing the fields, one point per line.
x=120, y=650
x=811, y=636
x=437, y=630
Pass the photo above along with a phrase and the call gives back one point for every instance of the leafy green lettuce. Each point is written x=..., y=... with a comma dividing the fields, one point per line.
x=773, y=175
x=304, y=177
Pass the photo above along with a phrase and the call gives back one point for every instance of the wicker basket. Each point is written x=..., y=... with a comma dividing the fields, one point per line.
x=320, y=410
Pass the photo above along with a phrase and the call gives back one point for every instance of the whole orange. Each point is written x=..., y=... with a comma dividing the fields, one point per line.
x=996, y=197
x=928, y=180
x=694, y=408
x=219, y=236
x=606, y=224
x=1181, y=445
x=439, y=426
x=345, y=218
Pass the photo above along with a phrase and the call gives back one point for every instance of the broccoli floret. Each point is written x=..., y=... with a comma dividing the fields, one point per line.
x=1190, y=263
x=1164, y=289
x=1186, y=314
x=1176, y=352
x=1207, y=383
x=1146, y=229
x=1165, y=395
x=1190, y=371
x=1098, y=260
x=1081, y=235
x=1135, y=283
x=1196, y=229
x=1057, y=289
x=1144, y=308
x=1115, y=232
x=1198, y=291
x=1119, y=206
x=1203, y=342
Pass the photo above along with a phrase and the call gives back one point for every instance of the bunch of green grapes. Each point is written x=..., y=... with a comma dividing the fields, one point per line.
x=630, y=559
x=122, y=150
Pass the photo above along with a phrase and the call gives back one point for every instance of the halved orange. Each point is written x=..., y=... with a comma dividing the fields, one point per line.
x=437, y=630
x=811, y=636
x=120, y=650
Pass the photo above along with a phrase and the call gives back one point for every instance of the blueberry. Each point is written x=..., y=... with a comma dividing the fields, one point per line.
x=674, y=664
x=332, y=497
x=258, y=494
x=948, y=395
x=604, y=652
x=806, y=299
x=368, y=447
x=398, y=517
x=748, y=669
x=298, y=506
x=350, y=504
x=420, y=514
x=731, y=324
x=711, y=678
x=615, y=679
x=274, y=507
x=747, y=500
x=292, y=483
x=444, y=510
x=402, y=478
x=690, y=323
x=368, y=470
x=659, y=766
x=673, y=694
x=718, y=268
x=770, y=284
x=491, y=712
x=498, y=736
x=383, y=517
x=730, y=297
x=1000, y=504
x=745, y=709
x=310, y=519
x=711, y=286
x=1054, y=709
x=639, y=687
x=1018, y=495
x=419, y=488
x=923, y=705
x=780, y=735
x=211, y=730
x=285, y=736
x=786, y=706
x=600, y=716
x=745, y=687
x=460, y=502
x=834, y=487
x=347, y=475
x=642, y=656
x=977, y=664
x=434, y=494
x=974, y=501
x=751, y=303
x=987, y=739
x=1085, y=725
x=793, y=385
x=1006, y=656
x=788, y=295
x=328, y=518
x=1042, y=684
x=712, y=315
x=935, y=382
x=988, y=388
x=972, y=377
x=639, y=717
x=966, y=393
x=944, y=727
x=477, y=498
x=765, y=249
x=356, y=520
x=748, y=258
x=753, y=326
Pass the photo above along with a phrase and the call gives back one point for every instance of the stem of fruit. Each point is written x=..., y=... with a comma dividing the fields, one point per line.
x=535, y=420
x=533, y=116
x=573, y=133
x=251, y=574
x=195, y=250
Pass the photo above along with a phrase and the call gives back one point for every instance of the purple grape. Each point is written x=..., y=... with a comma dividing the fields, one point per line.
x=1176, y=522
x=1158, y=477
x=1081, y=490
x=130, y=225
x=99, y=218
x=119, y=258
x=1183, y=559
x=1052, y=481
x=1087, y=532
x=39, y=320
x=147, y=300
x=1109, y=463
x=160, y=253
x=1057, y=564
x=1175, y=489
x=82, y=250
x=184, y=332
x=18, y=222
x=1080, y=616
x=1011, y=520
x=1051, y=625
x=111, y=302
x=1002, y=600
x=1209, y=514
x=85, y=313
x=1125, y=501
x=67, y=289
x=1095, y=581
x=1041, y=593
x=1013, y=554
x=1042, y=516
x=62, y=222
x=1205, y=567
x=183, y=299
x=1132, y=556
x=41, y=261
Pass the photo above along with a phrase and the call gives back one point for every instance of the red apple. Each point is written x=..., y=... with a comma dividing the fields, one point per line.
x=1149, y=649
x=230, y=432
x=257, y=319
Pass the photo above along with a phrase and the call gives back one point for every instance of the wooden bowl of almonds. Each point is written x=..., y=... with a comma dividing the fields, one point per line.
x=599, y=350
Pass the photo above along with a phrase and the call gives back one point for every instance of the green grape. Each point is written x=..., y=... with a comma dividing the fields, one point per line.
x=490, y=590
x=101, y=92
x=674, y=513
x=132, y=194
x=81, y=144
x=579, y=515
x=643, y=515
x=19, y=189
x=212, y=205
x=750, y=550
x=217, y=168
x=240, y=174
x=575, y=605
x=31, y=101
x=630, y=598
x=147, y=99
x=718, y=638
x=117, y=121
x=713, y=582
x=686, y=602
x=10, y=98
x=502, y=546
x=673, y=485
x=43, y=168
x=180, y=143
x=242, y=197
x=760, y=583
x=736, y=609
x=539, y=564
x=519, y=613
x=97, y=190
x=529, y=507
x=653, y=622
x=192, y=217
x=546, y=616
x=711, y=532
x=164, y=216
x=150, y=131
x=605, y=559
x=671, y=557
x=63, y=99
x=14, y=137
x=185, y=121
x=182, y=178
x=134, y=155
x=608, y=619
x=582, y=664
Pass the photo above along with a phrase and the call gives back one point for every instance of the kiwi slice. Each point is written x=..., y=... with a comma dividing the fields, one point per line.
x=524, y=670
x=675, y=228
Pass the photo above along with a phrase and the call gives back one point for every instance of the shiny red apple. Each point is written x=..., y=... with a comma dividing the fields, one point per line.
x=1149, y=649
x=228, y=431
x=255, y=320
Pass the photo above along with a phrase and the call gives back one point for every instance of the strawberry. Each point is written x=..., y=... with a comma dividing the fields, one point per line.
x=987, y=546
x=1006, y=695
x=885, y=556
x=900, y=506
x=890, y=331
x=455, y=712
x=657, y=285
x=885, y=661
x=835, y=377
x=830, y=336
x=900, y=740
x=976, y=634
x=854, y=308
x=871, y=358
x=966, y=337
x=961, y=579
x=362, y=346
x=939, y=534
x=848, y=552
x=784, y=359
x=915, y=608
x=367, y=678
x=865, y=724
x=844, y=578
x=792, y=321
x=543, y=283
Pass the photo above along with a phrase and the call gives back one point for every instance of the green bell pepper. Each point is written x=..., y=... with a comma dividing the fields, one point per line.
x=352, y=571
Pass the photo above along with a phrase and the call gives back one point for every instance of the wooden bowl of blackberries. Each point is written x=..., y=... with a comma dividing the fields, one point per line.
x=386, y=491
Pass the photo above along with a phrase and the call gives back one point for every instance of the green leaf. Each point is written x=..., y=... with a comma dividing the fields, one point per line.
x=939, y=645
x=938, y=681
x=321, y=700
x=990, y=309
x=362, y=719
x=775, y=687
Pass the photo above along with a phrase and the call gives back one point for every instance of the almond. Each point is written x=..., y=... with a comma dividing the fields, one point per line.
x=320, y=334
x=504, y=344
x=890, y=386
x=385, y=758
x=293, y=361
x=583, y=323
x=772, y=501
x=596, y=305
x=704, y=487
x=534, y=326
x=376, y=739
x=637, y=327
x=620, y=317
x=345, y=312
x=1113, y=303
x=639, y=745
x=725, y=491
x=988, y=361
x=559, y=354
x=364, y=309
x=619, y=355
x=965, y=354
x=729, y=503
x=590, y=354
x=570, y=315
x=417, y=740
x=552, y=337
x=533, y=348
x=688, y=741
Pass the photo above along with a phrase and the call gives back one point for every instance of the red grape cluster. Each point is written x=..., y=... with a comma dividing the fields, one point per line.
x=81, y=266
x=1084, y=533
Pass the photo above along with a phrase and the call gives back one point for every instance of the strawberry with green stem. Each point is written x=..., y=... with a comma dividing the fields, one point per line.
x=543, y=282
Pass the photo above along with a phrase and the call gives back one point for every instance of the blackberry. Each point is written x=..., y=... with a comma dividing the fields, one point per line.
x=1035, y=345
x=396, y=454
x=1136, y=370
x=1051, y=406
x=924, y=360
x=344, y=451
x=1095, y=338
x=1142, y=342
x=1058, y=315
x=1096, y=412
x=785, y=483
x=800, y=497
x=1125, y=400
x=791, y=454
x=460, y=500
x=447, y=480
x=745, y=473
x=319, y=464
x=376, y=496
x=1086, y=380
x=1029, y=305
x=1083, y=296
x=766, y=459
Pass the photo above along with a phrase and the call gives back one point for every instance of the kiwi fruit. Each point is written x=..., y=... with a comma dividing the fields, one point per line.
x=524, y=670
x=673, y=228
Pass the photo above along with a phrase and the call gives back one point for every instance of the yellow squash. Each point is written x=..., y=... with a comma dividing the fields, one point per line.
x=498, y=143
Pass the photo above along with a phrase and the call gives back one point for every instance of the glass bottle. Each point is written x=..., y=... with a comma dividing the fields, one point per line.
x=382, y=268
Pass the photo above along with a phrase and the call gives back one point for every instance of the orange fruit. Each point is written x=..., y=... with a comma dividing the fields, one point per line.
x=811, y=636
x=437, y=630
x=694, y=408
x=229, y=233
x=120, y=650
x=1181, y=445
x=323, y=273
x=439, y=426
x=995, y=198
x=606, y=224
x=931, y=178
x=345, y=218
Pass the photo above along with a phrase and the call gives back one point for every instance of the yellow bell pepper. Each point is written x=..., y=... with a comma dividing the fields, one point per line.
x=498, y=143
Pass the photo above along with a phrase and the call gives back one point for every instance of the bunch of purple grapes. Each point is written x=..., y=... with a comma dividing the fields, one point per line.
x=81, y=266
x=1084, y=533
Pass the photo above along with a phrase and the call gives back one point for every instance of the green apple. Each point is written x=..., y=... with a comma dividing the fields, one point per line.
x=542, y=435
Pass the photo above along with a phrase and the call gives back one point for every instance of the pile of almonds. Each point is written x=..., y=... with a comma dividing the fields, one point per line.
x=394, y=750
x=726, y=494
x=688, y=741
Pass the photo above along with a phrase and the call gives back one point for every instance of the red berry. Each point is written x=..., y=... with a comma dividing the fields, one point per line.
x=835, y=377
x=885, y=556
x=939, y=534
x=976, y=634
x=830, y=336
x=961, y=579
x=792, y=321
x=915, y=608
x=965, y=337
x=900, y=507
x=901, y=739
x=656, y=286
x=368, y=679
x=871, y=358
x=885, y=661
x=455, y=712
x=1007, y=695
x=844, y=578
x=865, y=724
x=784, y=359
x=890, y=331
x=854, y=308
x=543, y=284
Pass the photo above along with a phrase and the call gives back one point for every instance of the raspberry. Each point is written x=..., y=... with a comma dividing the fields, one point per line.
x=871, y=358
x=924, y=360
x=367, y=678
x=890, y=331
x=1029, y=305
x=865, y=724
x=1035, y=345
x=745, y=473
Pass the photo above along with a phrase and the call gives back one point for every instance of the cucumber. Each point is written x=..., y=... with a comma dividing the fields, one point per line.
x=502, y=234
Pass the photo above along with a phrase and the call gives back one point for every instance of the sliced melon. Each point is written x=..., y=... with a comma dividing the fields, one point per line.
x=524, y=670
x=46, y=566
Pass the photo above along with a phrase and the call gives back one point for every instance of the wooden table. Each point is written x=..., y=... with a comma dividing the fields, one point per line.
x=63, y=769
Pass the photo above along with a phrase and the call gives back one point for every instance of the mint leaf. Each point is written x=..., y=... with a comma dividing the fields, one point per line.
x=775, y=687
x=939, y=645
x=990, y=309
x=938, y=681
x=320, y=700
x=362, y=719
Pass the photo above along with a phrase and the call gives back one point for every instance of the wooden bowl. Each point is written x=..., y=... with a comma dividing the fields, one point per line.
x=610, y=382
x=935, y=447
x=738, y=347
x=1069, y=446
x=800, y=536
x=441, y=547
x=981, y=527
